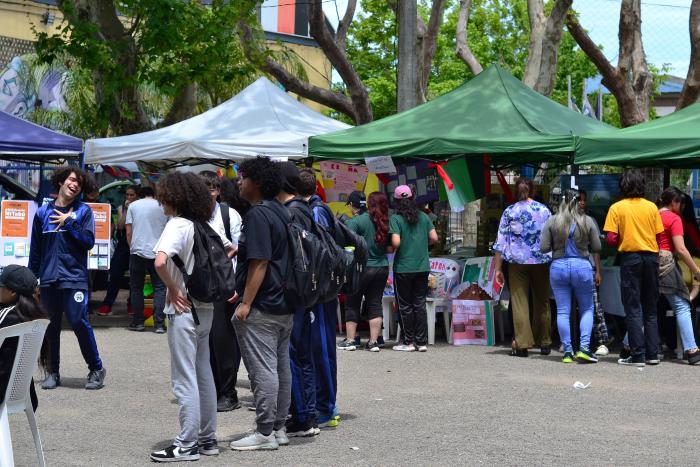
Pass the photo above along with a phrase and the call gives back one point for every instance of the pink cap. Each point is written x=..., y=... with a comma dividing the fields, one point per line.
x=402, y=191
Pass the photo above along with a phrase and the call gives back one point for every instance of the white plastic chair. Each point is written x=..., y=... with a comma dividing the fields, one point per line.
x=17, y=399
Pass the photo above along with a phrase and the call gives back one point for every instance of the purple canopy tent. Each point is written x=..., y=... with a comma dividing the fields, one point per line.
x=23, y=140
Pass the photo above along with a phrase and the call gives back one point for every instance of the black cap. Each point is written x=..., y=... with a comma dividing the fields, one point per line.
x=290, y=177
x=18, y=278
x=357, y=200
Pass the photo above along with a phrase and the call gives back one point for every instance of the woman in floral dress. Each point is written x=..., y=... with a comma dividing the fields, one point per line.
x=518, y=244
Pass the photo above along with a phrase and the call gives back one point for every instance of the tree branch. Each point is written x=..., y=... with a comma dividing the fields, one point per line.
x=551, y=40
x=462, y=49
x=430, y=40
x=609, y=72
x=691, y=88
x=341, y=34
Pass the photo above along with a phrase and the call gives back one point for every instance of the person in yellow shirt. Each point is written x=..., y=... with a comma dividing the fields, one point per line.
x=632, y=225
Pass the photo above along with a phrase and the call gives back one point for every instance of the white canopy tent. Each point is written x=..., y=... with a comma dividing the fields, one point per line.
x=261, y=120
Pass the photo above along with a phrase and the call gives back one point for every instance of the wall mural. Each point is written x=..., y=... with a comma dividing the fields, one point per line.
x=25, y=85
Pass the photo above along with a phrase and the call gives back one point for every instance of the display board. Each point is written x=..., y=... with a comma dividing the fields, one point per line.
x=16, y=231
x=339, y=180
x=602, y=191
x=472, y=322
x=444, y=275
x=99, y=256
x=422, y=179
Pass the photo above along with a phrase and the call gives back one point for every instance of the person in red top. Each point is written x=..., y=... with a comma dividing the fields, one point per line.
x=691, y=233
x=671, y=283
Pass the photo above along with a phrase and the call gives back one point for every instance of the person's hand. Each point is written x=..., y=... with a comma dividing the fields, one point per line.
x=696, y=276
x=178, y=300
x=598, y=279
x=500, y=279
x=59, y=218
x=242, y=311
x=233, y=299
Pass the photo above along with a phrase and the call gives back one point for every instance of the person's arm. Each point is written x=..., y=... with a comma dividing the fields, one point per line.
x=432, y=237
x=35, y=245
x=598, y=276
x=174, y=295
x=546, y=238
x=682, y=251
x=498, y=260
x=83, y=233
x=121, y=218
x=256, y=275
x=395, y=241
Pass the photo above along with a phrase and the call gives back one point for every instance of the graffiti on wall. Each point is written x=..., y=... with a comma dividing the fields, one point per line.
x=25, y=86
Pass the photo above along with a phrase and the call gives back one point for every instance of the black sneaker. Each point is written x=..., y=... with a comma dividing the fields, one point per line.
x=652, y=361
x=380, y=341
x=694, y=358
x=209, y=447
x=160, y=330
x=631, y=361
x=136, y=327
x=227, y=404
x=358, y=342
x=300, y=429
x=372, y=346
x=96, y=379
x=176, y=454
x=347, y=345
x=625, y=353
x=545, y=350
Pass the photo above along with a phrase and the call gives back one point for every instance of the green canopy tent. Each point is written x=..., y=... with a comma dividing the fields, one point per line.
x=494, y=113
x=671, y=141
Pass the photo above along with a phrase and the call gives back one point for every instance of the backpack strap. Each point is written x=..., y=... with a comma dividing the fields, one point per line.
x=225, y=216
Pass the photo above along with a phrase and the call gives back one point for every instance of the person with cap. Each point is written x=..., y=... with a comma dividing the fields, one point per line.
x=373, y=226
x=18, y=304
x=412, y=232
x=63, y=233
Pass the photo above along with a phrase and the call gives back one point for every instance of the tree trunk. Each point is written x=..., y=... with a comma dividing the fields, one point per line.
x=462, y=48
x=545, y=37
x=184, y=105
x=691, y=88
x=630, y=82
x=116, y=87
x=427, y=40
x=407, y=79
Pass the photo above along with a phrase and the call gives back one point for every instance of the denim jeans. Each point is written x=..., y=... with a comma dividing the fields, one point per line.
x=573, y=277
x=138, y=267
x=681, y=308
x=639, y=274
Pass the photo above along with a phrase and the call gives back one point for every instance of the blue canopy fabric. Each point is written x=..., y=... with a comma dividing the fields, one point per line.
x=26, y=140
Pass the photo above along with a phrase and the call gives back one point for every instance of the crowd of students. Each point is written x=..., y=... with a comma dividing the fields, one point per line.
x=537, y=252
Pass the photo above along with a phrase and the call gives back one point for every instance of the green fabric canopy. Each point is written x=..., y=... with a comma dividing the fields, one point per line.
x=494, y=113
x=671, y=141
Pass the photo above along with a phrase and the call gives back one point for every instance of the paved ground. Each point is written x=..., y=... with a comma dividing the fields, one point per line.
x=458, y=405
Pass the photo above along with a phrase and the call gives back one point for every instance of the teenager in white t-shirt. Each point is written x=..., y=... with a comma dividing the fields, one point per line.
x=185, y=197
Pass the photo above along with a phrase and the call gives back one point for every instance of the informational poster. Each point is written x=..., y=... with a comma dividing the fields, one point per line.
x=339, y=180
x=444, y=274
x=380, y=165
x=16, y=219
x=482, y=272
x=422, y=179
x=472, y=322
x=99, y=256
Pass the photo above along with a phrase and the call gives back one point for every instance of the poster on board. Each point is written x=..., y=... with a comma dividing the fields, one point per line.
x=422, y=179
x=99, y=256
x=339, y=180
x=16, y=218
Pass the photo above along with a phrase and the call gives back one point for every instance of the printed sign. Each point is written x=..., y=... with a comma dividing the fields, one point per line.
x=472, y=322
x=444, y=274
x=16, y=220
x=380, y=165
x=99, y=256
x=339, y=180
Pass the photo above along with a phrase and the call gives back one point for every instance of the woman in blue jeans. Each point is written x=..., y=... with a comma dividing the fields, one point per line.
x=572, y=236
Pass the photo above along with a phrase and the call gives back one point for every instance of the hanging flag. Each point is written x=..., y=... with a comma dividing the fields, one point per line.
x=570, y=99
x=587, y=109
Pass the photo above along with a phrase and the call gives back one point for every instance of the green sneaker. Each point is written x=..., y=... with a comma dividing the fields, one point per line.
x=585, y=356
x=568, y=358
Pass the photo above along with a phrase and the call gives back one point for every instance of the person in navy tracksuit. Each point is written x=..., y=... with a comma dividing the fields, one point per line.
x=62, y=234
x=325, y=320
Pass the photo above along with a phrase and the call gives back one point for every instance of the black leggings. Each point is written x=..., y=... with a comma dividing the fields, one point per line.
x=372, y=286
x=411, y=292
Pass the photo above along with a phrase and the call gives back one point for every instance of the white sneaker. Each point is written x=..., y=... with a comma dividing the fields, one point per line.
x=602, y=351
x=254, y=442
x=404, y=348
x=281, y=436
x=422, y=348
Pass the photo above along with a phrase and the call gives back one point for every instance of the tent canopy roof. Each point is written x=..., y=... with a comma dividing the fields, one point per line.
x=672, y=141
x=260, y=120
x=494, y=113
x=24, y=140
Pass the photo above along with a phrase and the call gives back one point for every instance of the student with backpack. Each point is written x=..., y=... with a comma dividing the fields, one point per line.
x=325, y=318
x=186, y=199
x=302, y=421
x=263, y=319
x=223, y=346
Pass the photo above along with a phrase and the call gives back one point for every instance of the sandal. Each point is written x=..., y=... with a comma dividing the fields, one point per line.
x=516, y=352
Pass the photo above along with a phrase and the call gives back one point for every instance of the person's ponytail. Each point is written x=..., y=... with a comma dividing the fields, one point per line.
x=524, y=188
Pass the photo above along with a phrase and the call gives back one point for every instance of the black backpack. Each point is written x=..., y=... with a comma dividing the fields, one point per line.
x=355, y=258
x=226, y=218
x=302, y=283
x=212, y=278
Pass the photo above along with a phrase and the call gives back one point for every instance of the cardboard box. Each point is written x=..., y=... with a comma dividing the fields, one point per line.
x=472, y=322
